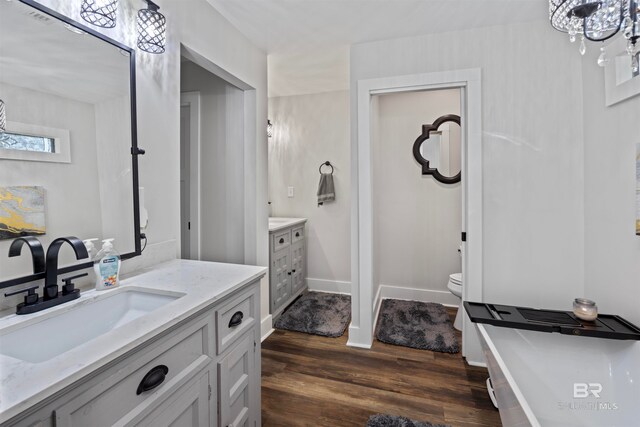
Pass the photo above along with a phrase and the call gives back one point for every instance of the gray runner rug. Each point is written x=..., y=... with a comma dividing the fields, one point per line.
x=317, y=313
x=384, y=420
x=422, y=325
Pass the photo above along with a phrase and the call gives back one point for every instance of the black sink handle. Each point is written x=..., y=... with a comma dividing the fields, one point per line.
x=236, y=319
x=153, y=379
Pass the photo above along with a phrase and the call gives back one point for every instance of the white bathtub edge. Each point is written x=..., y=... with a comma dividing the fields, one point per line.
x=505, y=371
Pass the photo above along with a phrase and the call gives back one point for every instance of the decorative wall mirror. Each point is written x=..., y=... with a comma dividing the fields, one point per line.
x=68, y=153
x=438, y=149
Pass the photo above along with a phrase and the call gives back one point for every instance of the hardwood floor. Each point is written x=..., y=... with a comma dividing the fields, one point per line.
x=309, y=380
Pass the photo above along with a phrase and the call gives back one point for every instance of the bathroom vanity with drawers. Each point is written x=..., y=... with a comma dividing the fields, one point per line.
x=287, y=262
x=194, y=361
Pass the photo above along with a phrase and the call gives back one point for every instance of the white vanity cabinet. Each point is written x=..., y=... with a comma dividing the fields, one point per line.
x=206, y=371
x=287, y=262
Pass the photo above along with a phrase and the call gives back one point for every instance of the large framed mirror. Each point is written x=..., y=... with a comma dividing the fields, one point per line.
x=68, y=153
x=438, y=149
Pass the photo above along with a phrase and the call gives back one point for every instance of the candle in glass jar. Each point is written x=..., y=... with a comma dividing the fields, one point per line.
x=585, y=309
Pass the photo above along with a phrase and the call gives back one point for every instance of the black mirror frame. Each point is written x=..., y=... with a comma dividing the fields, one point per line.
x=426, y=130
x=135, y=151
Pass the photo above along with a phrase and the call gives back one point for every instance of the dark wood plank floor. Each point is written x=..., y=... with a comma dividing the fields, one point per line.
x=309, y=380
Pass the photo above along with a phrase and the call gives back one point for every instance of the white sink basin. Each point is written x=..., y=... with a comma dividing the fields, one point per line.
x=50, y=336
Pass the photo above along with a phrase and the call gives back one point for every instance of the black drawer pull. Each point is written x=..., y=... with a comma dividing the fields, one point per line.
x=294, y=270
x=236, y=319
x=281, y=241
x=153, y=379
x=297, y=234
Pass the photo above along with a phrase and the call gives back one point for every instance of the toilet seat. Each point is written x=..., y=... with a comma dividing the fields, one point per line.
x=456, y=278
x=455, y=287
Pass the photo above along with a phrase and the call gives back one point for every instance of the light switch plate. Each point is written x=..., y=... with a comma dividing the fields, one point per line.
x=290, y=192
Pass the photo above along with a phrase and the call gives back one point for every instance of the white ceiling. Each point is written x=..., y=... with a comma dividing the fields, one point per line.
x=287, y=26
x=308, y=40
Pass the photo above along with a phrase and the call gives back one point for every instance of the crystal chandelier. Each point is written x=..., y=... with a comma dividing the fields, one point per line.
x=597, y=21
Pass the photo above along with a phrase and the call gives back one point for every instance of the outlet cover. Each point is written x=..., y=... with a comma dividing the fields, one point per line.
x=290, y=192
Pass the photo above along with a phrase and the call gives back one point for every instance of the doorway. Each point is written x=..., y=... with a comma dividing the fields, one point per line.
x=217, y=139
x=190, y=175
x=417, y=216
x=364, y=299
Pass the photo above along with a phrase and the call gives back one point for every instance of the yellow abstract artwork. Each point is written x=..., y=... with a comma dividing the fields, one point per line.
x=22, y=212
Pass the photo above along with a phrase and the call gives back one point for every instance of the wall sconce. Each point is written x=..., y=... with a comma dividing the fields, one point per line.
x=3, y=118
x=269, y=129
x=152, y=29
x=101, y=13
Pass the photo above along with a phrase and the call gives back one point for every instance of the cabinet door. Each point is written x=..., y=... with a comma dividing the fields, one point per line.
x=280, y=278
x=188, y=407
x=297, y=266
x=238, y=391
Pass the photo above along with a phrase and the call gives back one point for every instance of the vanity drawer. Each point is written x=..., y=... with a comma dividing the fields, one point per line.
x=297, y=234
x=281, y=240
x=117, y=400
x=236, y=317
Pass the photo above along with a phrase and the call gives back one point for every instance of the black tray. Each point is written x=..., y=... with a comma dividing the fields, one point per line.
x=565, y=322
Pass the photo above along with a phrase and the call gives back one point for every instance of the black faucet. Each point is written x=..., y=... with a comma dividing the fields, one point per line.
x=51, y=270
x=51, y=295
x=37, y=251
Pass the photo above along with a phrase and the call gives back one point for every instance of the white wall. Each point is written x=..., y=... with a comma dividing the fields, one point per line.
x=612, y=250
x=533, y=220
x=308, y=130
x=80, y=215
x=417, y=220
x=196, y=24
x=113, y=172
x=221, y=164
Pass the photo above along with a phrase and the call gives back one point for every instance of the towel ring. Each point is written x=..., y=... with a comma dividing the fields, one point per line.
x=327, y=163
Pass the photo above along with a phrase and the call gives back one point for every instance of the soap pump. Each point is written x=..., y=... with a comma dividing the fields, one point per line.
x=91, y=247
x=107, y=266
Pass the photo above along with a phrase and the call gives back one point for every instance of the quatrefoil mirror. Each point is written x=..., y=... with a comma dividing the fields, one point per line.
x=438, y=149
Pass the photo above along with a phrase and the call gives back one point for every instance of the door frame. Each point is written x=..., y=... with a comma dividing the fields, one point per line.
x=192, y=100
x=250, y=130
x=362, y=236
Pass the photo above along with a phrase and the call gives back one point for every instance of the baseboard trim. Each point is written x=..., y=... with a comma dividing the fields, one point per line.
x=377, y=302
x=354, y=335
x=266, y=327
x=412, y=294
x=331, y=286
x=479, y=364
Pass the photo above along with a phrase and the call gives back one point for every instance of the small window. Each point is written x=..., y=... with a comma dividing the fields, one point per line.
x=16, y=141
x=35, y=143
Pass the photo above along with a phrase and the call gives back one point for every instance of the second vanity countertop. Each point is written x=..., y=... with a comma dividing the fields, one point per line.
x=24, y=384
x=277, y=223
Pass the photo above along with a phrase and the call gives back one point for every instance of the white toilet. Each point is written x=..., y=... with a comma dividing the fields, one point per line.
x=455, y=286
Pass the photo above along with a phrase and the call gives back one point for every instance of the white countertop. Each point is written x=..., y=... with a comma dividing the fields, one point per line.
x=24, y=384
x=276, y=223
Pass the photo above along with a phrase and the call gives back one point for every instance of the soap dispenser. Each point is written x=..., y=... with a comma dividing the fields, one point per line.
x=91, y=247
x=107, y=266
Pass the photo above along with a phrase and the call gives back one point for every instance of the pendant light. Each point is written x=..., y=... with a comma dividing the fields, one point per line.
x=152, y=29
x=101, y=13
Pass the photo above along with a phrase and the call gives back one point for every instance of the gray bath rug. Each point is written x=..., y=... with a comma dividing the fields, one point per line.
x=384, y=420
x=422, y=325
x=317, y=313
